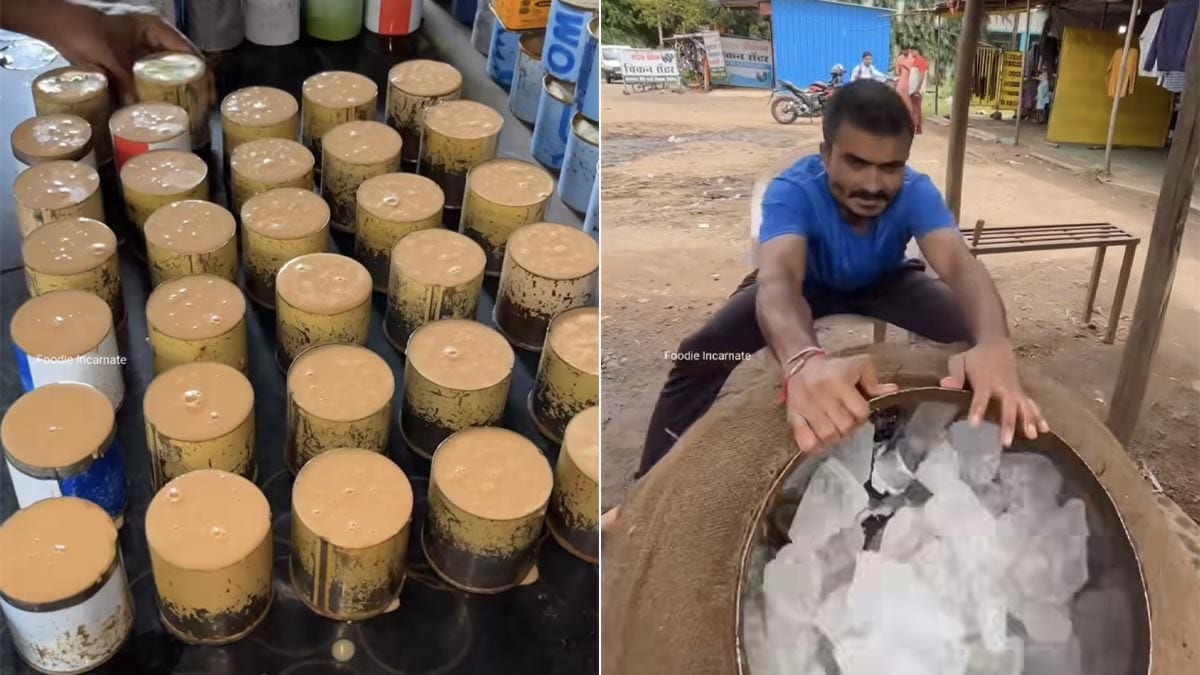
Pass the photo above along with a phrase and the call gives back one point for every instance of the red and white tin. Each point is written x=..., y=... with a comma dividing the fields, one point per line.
x=142, y=127
x=393, y=17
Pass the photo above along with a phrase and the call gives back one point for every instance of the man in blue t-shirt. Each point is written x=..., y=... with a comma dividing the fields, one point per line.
x=834, y=230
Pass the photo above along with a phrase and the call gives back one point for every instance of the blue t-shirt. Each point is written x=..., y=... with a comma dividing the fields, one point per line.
x=798, y=201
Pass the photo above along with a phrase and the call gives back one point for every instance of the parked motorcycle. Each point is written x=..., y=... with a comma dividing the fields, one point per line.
x=789, y=102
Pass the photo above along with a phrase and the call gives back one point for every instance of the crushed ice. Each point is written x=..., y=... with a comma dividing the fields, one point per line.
x=973, y=573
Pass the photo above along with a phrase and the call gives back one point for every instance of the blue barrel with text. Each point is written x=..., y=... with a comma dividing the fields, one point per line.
x=502, y=53
x=566, y=32
x=552, y=128
x=579, y=165
x=526, y=89
x=591, y=221
x=587, y=92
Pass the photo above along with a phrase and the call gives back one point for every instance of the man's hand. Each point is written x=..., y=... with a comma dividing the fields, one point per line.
x=991, y=370
x=824, y=402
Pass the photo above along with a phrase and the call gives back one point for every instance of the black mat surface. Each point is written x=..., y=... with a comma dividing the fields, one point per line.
x=547, y=627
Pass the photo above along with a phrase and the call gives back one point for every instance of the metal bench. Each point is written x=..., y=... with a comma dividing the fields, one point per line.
x=1100, y=236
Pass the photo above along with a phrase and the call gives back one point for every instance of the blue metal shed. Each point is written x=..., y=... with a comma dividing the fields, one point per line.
x=812, y=35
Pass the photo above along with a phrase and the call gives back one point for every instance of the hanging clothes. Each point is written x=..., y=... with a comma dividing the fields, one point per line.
x=1114, y=72
x=1174, y=80
x=1145, y=40
x=1169, y=49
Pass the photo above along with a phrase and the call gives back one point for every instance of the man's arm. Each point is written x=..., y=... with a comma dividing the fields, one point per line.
x=783, y=314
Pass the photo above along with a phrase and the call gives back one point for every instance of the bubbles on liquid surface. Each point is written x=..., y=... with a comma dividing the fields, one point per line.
x=173, y=494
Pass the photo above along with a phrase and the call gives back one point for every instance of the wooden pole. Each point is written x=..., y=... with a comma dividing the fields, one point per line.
x=1024, y=59
x=961, y=105
x=1162, y=254
x=1122, y=73
x=937, y=76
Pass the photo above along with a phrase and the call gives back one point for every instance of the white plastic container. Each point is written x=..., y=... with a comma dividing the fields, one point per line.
x=272, y=23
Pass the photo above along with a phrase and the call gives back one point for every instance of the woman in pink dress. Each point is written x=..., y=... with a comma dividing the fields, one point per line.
x=904, y=67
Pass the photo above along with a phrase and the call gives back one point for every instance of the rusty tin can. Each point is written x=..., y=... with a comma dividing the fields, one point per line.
x=436, y=274
x=47, y=138
x=413, y=87
x=58, y=190
x=142, y=127
x=154, y=179
x=390, y=207
x=266, y=164
x=209, y=535
x=339, y=396
x=78, y=90
x=552, y=128
x=191, y=237
x=502, y=53
x=574, y=514
x=197, y=318
x=199, y=416
x=472, y=541
x=527, y=80
x=78, y=254
x=353, y=152
x=79, y=621
x=178, y=78
x=457, y=374
x=351, y=511
x=579, y=166
x=331, y=98
x=503, y=195
x=320, y=299
x=523, y=14
x=277, y=226
x=568, y=376
x=252, y=113
x=548, y=269
x=458, y=135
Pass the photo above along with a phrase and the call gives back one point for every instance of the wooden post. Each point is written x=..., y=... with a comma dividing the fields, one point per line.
x=961, y=106
x=1122, y=73
x=1021, y=86
x=937, y=76
x=1162, y=253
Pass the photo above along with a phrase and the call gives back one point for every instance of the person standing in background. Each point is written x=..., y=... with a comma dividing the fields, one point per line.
x=867, y=71
x=904, y=69
x=916, y=87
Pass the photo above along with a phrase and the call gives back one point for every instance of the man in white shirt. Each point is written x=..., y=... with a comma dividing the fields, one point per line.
x=866, y=71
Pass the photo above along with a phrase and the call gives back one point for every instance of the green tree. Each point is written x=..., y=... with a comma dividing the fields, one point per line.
x=917, y=28
x=672, y=17
x=622, y=24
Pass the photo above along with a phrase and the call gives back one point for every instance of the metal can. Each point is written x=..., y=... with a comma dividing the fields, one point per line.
x=568, y=377
x=197, y=318
x=579, y=169
x=277, y=226
x=456, y=376
x=199, y=416
x=566, y=32
x=587, y=92
x=339, y=396
x=414, y=86
x=79, y=254
x=191, y=237
x=266, y=164
x=333, y=20
x=457, y=136
x=351, y=510
x=502, y=53
x=214, y=25
x=502, y=196
x=252, y=113
x=464, y=11
x=591, y=221
x=481, y=30
x=488, y=490
x=352, y=153
x=272, y=23
x=68, y=336
x=60, y=441
x=142, y=127
x=209, y=535
x=152, y=180
x=390, y=207
x=526, y=89
x=78, y=90
x=331, y=98
x=552, y=129
x=548, y=269
x=320, y=299
x=76, y=620
x=574, y=514
x=436, y=274
x=393, y=17
x=179, y=78
x=58, y=190
x=523, y=14
x=47, y=138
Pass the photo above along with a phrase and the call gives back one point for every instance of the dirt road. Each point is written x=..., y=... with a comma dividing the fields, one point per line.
x=677, y=170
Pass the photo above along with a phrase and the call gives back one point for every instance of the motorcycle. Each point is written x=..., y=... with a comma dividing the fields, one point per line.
x=789, y=102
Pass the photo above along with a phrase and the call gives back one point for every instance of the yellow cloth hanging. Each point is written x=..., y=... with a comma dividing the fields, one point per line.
x=1114, y=72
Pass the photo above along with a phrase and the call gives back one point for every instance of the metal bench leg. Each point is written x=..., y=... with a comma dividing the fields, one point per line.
x=1114, y=319
x=880, y=331
x=1094, y=283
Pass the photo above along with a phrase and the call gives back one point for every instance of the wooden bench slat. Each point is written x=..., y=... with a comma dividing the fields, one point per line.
x=1049, y=246
x=1039, y=238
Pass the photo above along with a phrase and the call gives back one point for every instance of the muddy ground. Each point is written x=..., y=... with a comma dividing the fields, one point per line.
x=677, y=170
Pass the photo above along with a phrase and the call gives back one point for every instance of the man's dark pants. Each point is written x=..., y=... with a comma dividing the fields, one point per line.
x=908, y=298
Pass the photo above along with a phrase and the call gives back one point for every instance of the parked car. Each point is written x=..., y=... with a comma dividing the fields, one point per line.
x=610, y=62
